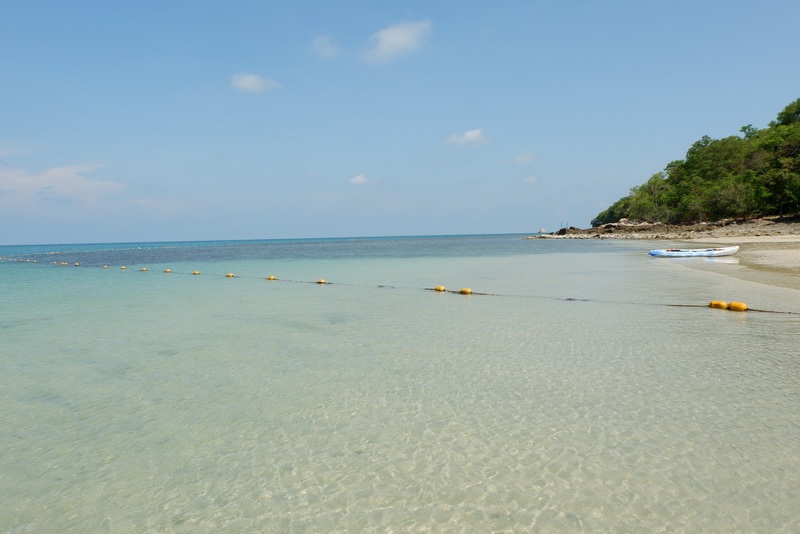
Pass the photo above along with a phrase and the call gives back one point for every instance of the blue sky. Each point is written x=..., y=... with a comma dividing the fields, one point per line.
x=243, y=119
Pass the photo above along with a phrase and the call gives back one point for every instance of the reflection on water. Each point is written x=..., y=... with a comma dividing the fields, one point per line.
x=723, y=260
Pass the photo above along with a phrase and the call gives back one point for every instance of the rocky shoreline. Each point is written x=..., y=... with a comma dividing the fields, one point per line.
x=625, y=229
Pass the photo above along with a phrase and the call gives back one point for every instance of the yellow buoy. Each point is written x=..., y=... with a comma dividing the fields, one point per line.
x=167, y=270
x=143, y=269
x=466, y=291
x=123, y=268
x=270, y=277
x=196, y=272
x=439, y=288
x=55, y=263
x=721, y=304
x=77, y=264
x=105, y=266
x=229, y=275
x=322, y=281
x=737, y=306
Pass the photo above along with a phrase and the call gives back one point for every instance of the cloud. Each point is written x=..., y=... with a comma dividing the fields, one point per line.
x=524, y=157
x=470, y=137
x=397, y=40
x=531, y=179
x=13, y=150
x=358, y=180
x=252, y=83
x=324, y=47
x=17, y=187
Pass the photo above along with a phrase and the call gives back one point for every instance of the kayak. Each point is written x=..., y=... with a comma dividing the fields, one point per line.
x=686, y=252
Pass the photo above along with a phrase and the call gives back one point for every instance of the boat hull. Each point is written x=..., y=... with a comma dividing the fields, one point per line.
x=694, y=252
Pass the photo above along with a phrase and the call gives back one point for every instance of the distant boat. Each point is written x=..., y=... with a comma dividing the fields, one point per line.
x=686, y=252
x=542, y=231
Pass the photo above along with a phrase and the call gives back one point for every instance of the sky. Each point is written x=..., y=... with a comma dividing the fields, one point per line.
x=244, y=119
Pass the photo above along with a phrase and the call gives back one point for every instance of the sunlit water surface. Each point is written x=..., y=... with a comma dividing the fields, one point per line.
x=144, y=401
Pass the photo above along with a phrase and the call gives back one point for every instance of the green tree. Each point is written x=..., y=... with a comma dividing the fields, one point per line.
x=789, y=115
x=748, y=131
x=754, y=175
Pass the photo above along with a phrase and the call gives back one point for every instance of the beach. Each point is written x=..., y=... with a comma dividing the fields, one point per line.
x=769, y=242
x=778, y=252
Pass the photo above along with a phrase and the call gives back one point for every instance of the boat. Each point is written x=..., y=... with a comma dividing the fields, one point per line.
x=687, y=252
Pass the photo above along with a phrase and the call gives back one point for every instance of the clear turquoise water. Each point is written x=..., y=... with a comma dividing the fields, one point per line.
x=141, y=401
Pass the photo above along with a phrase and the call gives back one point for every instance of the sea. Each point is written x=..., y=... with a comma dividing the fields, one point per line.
x=582, y=387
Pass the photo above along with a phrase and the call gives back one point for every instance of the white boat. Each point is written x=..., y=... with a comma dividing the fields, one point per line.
x=686, y=252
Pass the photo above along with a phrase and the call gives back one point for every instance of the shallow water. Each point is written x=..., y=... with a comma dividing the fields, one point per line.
x=141, y=401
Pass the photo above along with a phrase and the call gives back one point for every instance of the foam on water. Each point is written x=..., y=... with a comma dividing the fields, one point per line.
x=150, y=402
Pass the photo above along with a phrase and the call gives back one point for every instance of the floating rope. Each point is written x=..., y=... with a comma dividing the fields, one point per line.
x=719, y=304
x=735, y=308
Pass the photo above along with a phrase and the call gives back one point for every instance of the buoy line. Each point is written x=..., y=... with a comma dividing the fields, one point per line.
x=719, y=304
x=738, y=306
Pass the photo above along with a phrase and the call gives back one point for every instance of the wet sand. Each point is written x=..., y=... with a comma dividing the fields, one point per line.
x=770, y=242
x=778, y=252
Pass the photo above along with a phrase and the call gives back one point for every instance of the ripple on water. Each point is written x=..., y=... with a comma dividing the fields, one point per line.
x=302, y=409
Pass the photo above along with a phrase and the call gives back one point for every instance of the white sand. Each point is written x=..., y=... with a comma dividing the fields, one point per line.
x=780, y=252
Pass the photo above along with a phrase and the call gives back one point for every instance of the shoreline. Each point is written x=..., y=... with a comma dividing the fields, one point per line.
x=770, y=242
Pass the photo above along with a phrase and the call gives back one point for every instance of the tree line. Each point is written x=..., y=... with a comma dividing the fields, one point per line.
x=756, y=174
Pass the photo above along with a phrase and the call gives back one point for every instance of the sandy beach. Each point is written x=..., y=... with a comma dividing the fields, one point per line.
x=771, y=242
x=779, y=252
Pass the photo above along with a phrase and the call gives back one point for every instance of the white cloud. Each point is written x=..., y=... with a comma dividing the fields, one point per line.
x=324, y=47
x=17, y=187
x=13, y=150
x=524, y=157
x=470, y=137
x=252, y=83
x=397, y=40
x=358, y=180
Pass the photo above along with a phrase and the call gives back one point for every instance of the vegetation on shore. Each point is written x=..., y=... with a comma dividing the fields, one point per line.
x=756, y=174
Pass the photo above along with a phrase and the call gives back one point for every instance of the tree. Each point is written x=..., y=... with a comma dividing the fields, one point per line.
x=748, y=131
x=750, y=176
x=789, y=115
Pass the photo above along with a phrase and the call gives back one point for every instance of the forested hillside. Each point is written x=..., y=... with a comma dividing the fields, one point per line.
x=753, y=175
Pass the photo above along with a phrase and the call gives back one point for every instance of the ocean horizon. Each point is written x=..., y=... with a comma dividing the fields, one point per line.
x=201, y=242
x=583, y=387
